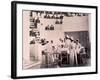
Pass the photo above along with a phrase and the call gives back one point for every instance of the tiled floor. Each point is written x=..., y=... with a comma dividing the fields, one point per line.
x=55, y=65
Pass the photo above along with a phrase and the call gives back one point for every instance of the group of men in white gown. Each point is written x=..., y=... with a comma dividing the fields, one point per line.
x=68, y=44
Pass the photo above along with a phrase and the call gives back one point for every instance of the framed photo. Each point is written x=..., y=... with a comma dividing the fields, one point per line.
x=50, y=39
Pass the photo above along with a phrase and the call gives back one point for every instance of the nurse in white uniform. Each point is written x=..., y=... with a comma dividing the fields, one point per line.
x=73, y=55
x=67, y=46
x=78, y=50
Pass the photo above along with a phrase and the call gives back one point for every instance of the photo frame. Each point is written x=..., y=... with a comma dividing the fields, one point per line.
x=50, y=39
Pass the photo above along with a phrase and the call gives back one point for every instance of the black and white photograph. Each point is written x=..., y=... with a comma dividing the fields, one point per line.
x=53, y=39
x=57, y=39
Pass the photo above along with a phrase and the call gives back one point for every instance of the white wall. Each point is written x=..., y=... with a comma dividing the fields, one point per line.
x=5, y=40
x=26, y=39
x=75, y=23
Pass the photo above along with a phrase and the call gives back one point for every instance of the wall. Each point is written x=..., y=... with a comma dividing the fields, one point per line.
x=75, y=23
x=26, y=38
x=5, y=40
